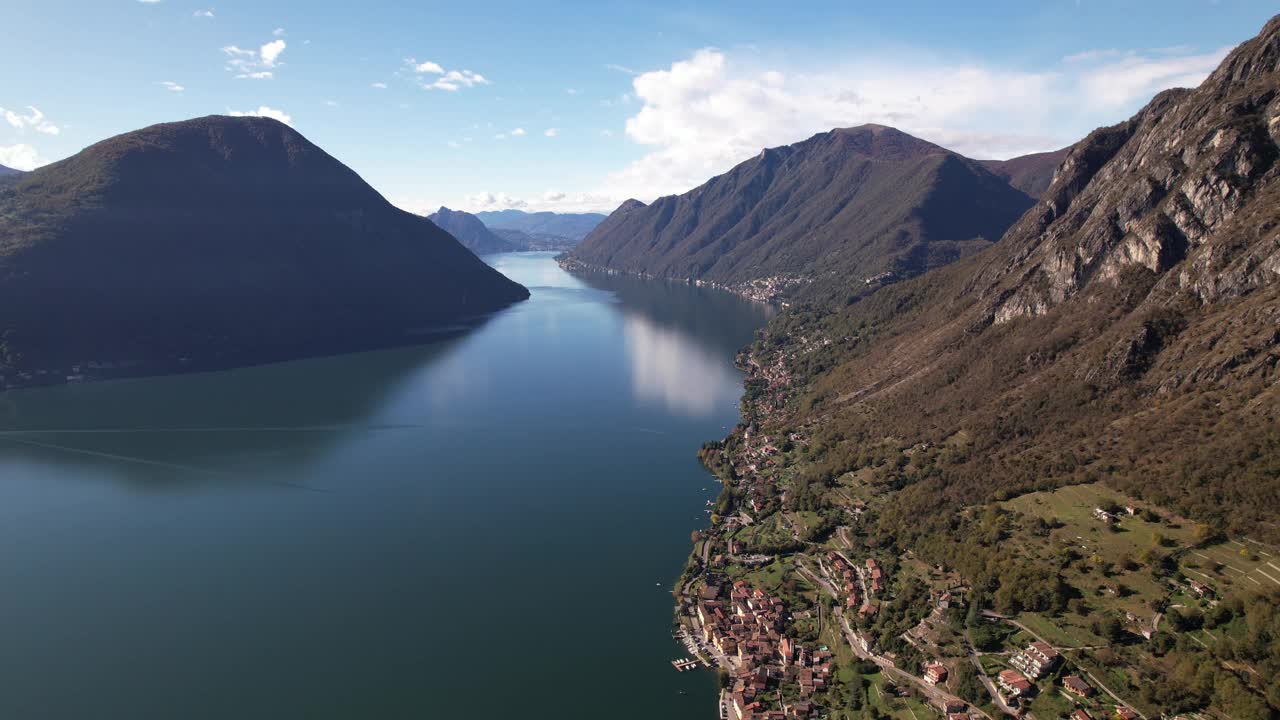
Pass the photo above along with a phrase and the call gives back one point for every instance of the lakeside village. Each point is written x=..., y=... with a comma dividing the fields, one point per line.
x=803, y=619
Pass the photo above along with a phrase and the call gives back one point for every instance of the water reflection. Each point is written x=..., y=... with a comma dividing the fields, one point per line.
x=680, y=340
x=311, y=533
x=243, y=425
x=670, y=367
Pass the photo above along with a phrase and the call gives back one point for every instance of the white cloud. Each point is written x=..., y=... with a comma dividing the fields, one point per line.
x=21, y=157
x=433, y=76
x=265, y=112
x=278, y=32
x=150, y=2
x=500, y=136
x=1091, y=55
x=33, y=119
x=552, y=132
x=494, y=201
x=254, y=64
x=271, y=52
x=621, y=68
x=379, y=86
x=571, y=91
x=171, y=86
x=331, y=103
x=203, y=14
x=427, y=67
x=702, y=115
x=554, y=200
x=518, y=132
x=1134, y=77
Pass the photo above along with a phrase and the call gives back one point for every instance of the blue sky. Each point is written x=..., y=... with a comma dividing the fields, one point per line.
x=570, y=106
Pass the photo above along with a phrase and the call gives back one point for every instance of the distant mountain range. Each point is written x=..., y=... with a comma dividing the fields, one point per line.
x=217, y=242
x=483, y=240
x=535, y=241
x=8, y=171
x=1029, y=173
x=472, y=233
x=573, y=226
x=843, y=209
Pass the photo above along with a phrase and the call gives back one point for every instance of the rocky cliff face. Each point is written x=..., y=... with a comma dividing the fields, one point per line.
x=1188, y=185
x=1125, y=329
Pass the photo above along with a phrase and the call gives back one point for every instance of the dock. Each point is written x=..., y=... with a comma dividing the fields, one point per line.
x=684, y=664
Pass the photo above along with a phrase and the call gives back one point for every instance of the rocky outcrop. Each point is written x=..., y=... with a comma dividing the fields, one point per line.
x=1184, y=186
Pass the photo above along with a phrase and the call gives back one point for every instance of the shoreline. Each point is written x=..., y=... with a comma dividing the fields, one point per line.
x=747, y=291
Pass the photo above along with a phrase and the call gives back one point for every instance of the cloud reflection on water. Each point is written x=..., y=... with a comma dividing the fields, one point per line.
x=670, y=367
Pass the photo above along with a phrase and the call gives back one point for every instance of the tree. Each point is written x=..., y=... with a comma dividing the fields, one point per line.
x=966, y=684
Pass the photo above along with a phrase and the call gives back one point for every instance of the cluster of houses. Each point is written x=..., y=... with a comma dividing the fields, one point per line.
x=747, y=629
x=849, y=576
x=1014, y=684
x=757, y=452
x=1034, y=662
x=1037, y=660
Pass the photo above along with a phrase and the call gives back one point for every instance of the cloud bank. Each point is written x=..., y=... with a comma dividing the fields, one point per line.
x=704, y=114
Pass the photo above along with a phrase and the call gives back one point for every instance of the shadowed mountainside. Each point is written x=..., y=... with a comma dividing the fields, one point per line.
x=1029, y=173
x=217, y=242
x=469, y=231
x=843, y=209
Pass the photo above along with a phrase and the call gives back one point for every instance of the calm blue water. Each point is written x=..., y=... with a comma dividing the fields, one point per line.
x=482, y=527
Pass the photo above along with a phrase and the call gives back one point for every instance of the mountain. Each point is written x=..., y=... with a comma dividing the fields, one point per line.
x=574, y=226
x=8, y=171
x=217, y=242
x=843, y=209
x=1029, y=173
x=1126, y=329
x=1036, y=423
x=535, y=241
x=472, y=233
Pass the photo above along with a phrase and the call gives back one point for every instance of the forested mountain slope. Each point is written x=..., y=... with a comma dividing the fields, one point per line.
x=840, y=211
x=215, y=242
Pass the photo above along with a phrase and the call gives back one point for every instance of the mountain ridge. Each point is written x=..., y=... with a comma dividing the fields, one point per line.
x=865, y=203
x=469, y=231
x=1145, y=280
x=268, y=249
x=573, y=226
x=1032, y=174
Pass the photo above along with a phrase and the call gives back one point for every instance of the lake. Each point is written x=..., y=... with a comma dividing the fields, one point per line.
x=485, y=526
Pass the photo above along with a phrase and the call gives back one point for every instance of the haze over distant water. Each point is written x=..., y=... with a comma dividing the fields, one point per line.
x=451, y=530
